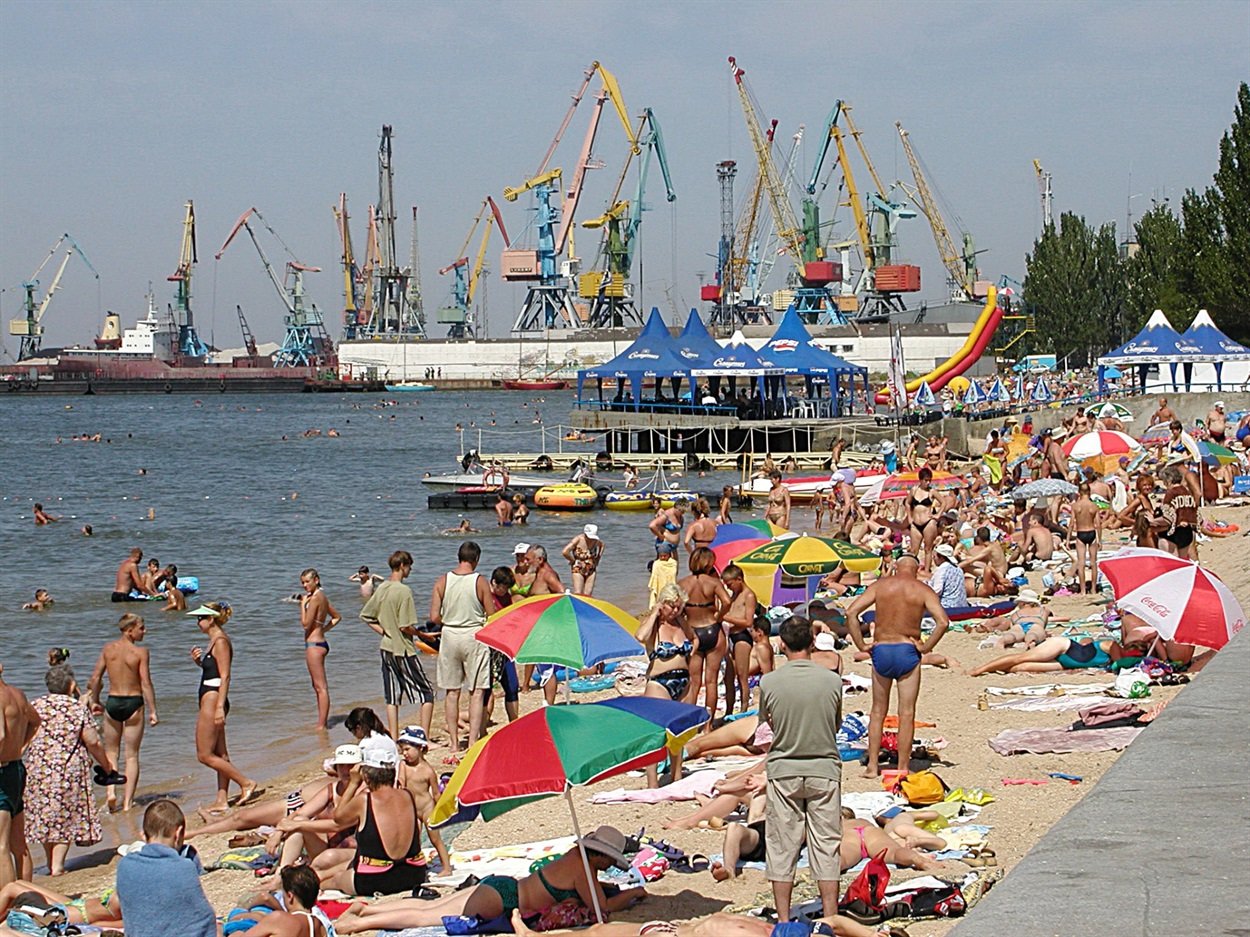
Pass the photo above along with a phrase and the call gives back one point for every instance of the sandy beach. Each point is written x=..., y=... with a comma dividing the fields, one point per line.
x=1019, y=815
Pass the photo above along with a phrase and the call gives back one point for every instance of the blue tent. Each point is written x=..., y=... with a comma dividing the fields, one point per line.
x=1213, y=346
x=695, y=345
x=1157, y=343
x=737, y=357
x=650, y=356
x=792, y=350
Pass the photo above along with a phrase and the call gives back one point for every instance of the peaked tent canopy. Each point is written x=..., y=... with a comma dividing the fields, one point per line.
x=1213, y=344
x=695, y=345
x=651, y=355
x=737, y=357
x=792, y=350
x=1157, y=343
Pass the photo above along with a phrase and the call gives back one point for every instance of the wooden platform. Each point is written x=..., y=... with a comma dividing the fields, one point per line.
x=483, y=501
x=648, y=462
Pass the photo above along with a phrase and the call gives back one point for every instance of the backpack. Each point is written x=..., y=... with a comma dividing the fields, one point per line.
x=929, y=902
x=864, y=899
x=921, y=787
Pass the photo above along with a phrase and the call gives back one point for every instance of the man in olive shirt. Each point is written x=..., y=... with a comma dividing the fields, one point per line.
x=802, y=701
x=391, y=612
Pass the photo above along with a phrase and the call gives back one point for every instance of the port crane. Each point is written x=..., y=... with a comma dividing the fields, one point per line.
x=812, y=296
x=548, y=301
x=30, y=326
x=609, y=291
x=1047, y=195
x=960, y=264
x=881, y=281
x=355, y=285
x=189, y=343
x=458, y=317
x=305, y=342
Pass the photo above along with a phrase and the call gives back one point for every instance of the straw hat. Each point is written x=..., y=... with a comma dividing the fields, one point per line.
x=607, y=841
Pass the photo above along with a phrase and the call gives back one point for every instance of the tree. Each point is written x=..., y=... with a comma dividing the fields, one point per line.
x=1074, y=282
x=1159, y=275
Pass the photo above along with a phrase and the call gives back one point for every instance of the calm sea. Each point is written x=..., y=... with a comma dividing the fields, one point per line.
x=239, y=498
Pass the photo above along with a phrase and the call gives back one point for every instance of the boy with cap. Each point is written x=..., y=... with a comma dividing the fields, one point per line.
x=416, y=774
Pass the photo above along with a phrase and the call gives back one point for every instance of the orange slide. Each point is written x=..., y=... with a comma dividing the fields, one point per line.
x=968, y=355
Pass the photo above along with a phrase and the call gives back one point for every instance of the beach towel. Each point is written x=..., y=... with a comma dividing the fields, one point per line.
x=1064, y=703
x=1062, y=741
x=701, y=782
x=1045, y=689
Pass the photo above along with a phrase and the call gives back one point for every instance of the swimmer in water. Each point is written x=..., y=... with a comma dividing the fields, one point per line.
x=464, y=528
x=317, y=616
x=43, y=517
x=41, y=602
x=366, y=579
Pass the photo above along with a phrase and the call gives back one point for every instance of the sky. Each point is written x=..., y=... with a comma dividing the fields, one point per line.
x=116, y=113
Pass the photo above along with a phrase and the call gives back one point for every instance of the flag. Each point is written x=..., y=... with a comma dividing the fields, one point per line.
x=897, y=374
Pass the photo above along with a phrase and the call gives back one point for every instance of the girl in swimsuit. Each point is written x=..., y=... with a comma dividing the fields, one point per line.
x=499, y=895
x=316, y=617
x=702, y=529
x=707, y=602
x=924, y=528
x=778, y=510
x=214, y=690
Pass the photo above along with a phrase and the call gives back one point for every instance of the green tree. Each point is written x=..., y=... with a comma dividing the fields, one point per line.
x=1159, y=275
x=1074, y=282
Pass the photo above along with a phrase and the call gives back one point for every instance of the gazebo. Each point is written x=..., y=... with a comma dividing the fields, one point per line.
x=1157, y=343
x=652, y=355
x=1213, y=347
x=792, y=350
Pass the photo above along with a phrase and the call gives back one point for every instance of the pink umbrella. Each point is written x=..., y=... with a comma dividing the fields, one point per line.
x=1180, y=599
x=1104, y=442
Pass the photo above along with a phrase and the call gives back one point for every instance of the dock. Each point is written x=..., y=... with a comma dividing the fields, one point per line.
x=453, y=501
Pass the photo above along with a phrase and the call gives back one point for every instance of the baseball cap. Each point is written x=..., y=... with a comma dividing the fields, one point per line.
x=591, y=531
x=346, y=755
x=1219, y=405
x=520, y=548
x=413, y=735
x=378, y=752
x=946, y=551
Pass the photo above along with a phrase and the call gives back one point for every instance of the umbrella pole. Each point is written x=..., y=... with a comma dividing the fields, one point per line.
x=590, y=873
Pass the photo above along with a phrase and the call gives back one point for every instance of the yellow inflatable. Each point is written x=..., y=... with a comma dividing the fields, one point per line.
x=570, y=496
x=959, y=385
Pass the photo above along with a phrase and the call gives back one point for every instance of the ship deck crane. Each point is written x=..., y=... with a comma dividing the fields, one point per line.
x=960, y=264
x=189, y=343
x=305, y=343
x=548, y=302
x=812, y=298
x=610, y=293
x=30, y=326
x=459, y=317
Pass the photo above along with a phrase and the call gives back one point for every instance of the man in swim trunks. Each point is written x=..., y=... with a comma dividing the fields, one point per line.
x=130, y=691
x=902, y=601
x=503, y=510
x=19, y=722
x=1217, y=423
x=128, y=578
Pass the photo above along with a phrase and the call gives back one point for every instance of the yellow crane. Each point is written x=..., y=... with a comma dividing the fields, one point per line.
x=960, y=264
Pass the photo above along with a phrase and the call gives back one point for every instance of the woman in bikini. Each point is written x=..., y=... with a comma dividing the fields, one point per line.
x=924, y=526
x=702, y=529
x=669, y=641
x=1086, y=527
x=1027, y=623
x=495, y=896
x=214, y=692
x=316, y=617
x=778, y=509
x=706, y=603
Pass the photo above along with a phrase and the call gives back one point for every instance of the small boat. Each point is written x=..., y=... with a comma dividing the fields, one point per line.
x=569, y=496
x=519, y=384
x=641, y=500
x=409, y=386
x=807, y=487
x=482, y=481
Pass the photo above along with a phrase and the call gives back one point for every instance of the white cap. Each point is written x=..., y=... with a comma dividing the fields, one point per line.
x=378, y=752
x=946, y=551
x=1219, y=405
x=591, y=531
x=520, y=548
x=346, y=755
x=825, y=642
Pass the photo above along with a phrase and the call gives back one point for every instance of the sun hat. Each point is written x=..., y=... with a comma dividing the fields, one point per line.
x=779, y=613
x=607, y=841
x=1178, y=458
x=1028, y=597
x=946, y=551
x=205, y=612
x=346, y=755
x=378, y=752
x=520, y=548
x=413, y=735
x=825, y=642
x=591, y=531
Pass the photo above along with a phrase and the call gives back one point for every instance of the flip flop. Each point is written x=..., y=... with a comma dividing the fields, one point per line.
x=696, y=862
x=667, y=850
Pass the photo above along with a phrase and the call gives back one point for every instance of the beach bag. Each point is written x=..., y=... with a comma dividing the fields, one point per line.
x=921, y=787
x=864, y=898
x=568, y=913
x=929, y=902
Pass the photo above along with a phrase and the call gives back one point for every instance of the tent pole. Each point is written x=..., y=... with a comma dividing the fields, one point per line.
x=590, y=875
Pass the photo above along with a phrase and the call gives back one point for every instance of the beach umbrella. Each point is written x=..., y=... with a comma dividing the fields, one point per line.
x=1044, y=488
x=729, y=552
x=767, y=527
x=573, y=630
x=808, y=556
x=976, y=394
x=547, y=752
x=1178, y=598
x=1042, y=392
x=924, y=395
x=731, y=533
x=899, y=484
x=1155, y=435
x=1214, y=454
x=1117, y=410
x=1103, y=442
x=999, y=392
x=1018, y=390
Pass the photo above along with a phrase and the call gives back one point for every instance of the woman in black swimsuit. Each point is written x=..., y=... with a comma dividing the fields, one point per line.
x=924, y=528
x=707, y=602
x=214, y=690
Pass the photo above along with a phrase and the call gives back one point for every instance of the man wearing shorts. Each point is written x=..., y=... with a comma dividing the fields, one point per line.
x=459, y=605
x=20, y=722
x=902, y=601
x=391, y=612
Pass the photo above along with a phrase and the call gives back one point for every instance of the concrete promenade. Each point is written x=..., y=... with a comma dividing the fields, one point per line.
x=1161, y=847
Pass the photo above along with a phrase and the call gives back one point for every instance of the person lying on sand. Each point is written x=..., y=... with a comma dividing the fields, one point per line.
x=103, y=911
x=737, y=788
x=901, y=826
x=721, y=924
x=1061, y=653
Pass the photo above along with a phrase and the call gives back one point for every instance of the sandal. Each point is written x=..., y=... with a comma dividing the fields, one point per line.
x=667, y=850
x=696, y=862
x=243, y=840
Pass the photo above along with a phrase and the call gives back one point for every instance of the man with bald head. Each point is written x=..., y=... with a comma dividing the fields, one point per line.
x=902, y=601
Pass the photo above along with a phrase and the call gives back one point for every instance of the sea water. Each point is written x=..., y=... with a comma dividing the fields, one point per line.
x=232, y=492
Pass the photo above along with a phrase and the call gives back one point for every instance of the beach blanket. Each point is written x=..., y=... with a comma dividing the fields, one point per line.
x=438, y=931
x=1045, y=689
x=1032, y=704
x=700, y=782
x=1062, y=741
x=511, y=860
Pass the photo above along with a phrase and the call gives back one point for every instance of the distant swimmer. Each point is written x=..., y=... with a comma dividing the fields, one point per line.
x=366, y=579
x=464, y=527
x=128, y=577
x=130, y=693
x=86, y=530
x=41, y=601
x=43, y=517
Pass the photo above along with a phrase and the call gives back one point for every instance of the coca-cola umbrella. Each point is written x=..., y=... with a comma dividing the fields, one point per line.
x=1103, y=442
x=1181, y=600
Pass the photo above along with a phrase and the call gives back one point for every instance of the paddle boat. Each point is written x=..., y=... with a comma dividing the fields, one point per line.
x=404, y=386
x=808, y=487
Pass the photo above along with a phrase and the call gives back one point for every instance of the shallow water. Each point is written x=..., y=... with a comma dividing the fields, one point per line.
x=246, y=511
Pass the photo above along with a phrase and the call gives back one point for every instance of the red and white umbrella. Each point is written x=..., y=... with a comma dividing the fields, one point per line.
x=1180, y=599
x=1104, y=442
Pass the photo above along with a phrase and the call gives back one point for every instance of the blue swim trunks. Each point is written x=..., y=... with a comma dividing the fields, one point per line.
x=895, y=661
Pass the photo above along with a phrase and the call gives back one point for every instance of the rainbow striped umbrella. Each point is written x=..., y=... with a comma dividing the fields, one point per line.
x=550, y=750
x=573, y=630
x=1215, y=454
x=763, y=525
x=899, y=484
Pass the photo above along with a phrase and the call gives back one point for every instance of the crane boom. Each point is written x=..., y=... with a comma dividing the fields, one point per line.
x=242, y=224
x=960, y=265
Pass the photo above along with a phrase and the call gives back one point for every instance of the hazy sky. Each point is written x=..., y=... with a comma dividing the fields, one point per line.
x=115, y=113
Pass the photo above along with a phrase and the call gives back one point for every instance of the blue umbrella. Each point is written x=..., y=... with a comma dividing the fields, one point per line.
x=999, y=392
x=1017, y=392
x=1042, y=392
x=924, y=396
x=975, y=394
